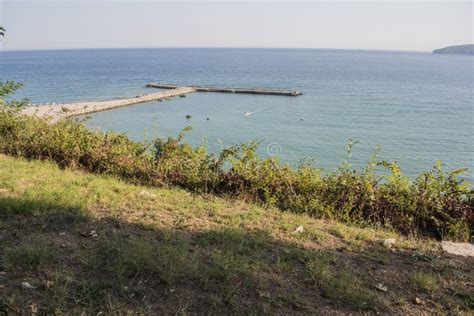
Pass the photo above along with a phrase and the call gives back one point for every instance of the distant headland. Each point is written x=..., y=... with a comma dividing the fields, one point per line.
x=456, y=50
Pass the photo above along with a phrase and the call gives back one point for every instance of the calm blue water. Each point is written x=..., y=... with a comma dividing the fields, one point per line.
x=418, y=106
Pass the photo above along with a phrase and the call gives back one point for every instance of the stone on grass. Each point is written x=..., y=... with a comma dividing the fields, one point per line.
x=147, y=194
x=27, y=286
x=299, y=230
x=388, y=243
x=458, y=248
x=381, y=287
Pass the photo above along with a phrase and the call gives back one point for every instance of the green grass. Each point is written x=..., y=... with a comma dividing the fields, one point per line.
x=341, y=285
x=96, y=244
x=426, y=281
x=120, y=259
x=29, y=256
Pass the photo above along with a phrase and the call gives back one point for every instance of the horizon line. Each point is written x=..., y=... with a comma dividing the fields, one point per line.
x=217, y=47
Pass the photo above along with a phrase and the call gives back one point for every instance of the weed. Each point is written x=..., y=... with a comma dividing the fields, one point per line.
x=29, y=256
x=342, y=287
x=122, y=259
x=426, y=281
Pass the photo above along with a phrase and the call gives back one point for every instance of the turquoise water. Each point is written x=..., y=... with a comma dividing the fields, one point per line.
x=417, y=106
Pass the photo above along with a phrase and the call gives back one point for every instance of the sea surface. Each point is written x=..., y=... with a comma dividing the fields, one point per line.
x=419, y=107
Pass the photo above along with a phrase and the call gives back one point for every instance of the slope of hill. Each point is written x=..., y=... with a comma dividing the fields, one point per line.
x=80, y=243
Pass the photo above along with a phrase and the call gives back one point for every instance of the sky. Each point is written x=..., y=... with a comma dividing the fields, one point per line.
x=384, y=25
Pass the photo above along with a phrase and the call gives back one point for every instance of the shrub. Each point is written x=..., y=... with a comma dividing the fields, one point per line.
x=436, y=203
x=71, y=144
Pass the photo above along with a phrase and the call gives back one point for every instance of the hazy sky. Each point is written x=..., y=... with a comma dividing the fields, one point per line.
x=402, y=25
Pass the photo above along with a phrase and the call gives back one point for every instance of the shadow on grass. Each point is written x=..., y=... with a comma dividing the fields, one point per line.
x=76, y=262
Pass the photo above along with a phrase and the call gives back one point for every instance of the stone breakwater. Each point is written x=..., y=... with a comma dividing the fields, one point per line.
x=264, y=91
x=65, y=110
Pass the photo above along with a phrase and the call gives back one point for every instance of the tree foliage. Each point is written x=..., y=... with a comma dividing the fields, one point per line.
x=9, y=87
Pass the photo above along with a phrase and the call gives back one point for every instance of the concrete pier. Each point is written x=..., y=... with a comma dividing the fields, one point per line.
x=65, y=110
x=265, y=91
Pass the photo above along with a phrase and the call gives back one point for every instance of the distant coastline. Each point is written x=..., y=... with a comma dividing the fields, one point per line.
x=456, y=50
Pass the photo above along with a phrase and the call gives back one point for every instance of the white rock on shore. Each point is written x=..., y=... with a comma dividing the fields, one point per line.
x=458, y=248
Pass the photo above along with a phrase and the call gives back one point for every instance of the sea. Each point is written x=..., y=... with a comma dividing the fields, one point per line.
x=417, y=106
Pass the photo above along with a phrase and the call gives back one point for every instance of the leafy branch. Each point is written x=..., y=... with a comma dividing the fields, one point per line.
x=9, y=87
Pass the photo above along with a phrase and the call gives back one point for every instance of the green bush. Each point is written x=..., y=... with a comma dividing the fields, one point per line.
x=436, y=203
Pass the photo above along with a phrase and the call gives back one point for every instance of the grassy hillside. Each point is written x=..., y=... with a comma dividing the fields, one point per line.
x=436, y=203
x=95, y=244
